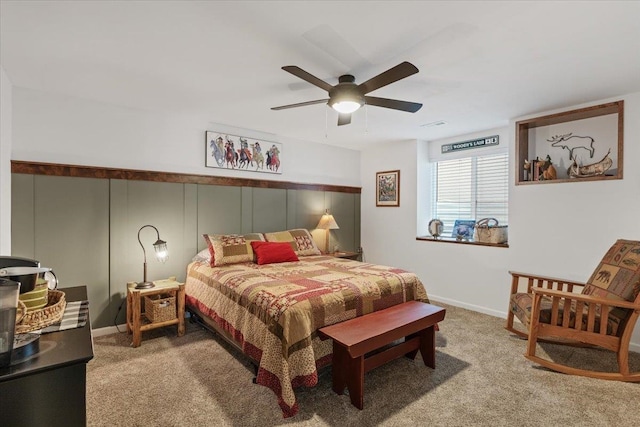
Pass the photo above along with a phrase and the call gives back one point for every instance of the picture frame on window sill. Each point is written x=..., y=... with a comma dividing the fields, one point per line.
x=388, y=188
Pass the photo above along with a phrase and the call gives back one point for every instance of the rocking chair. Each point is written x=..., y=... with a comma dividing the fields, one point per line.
x=603, y=315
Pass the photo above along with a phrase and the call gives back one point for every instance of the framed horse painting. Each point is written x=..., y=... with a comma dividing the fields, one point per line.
x=225, y=151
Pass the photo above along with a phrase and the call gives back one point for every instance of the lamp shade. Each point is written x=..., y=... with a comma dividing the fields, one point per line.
x=160, y=247
x=327, y=222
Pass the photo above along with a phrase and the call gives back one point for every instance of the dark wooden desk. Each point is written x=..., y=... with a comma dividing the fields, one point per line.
x=49, y=388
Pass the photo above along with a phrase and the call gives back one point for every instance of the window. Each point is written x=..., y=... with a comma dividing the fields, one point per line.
x=470, y=188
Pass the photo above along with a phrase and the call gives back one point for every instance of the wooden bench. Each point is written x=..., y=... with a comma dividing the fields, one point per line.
x=353, y=339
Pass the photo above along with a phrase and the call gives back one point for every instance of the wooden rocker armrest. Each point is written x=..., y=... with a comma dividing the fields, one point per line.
x=538, y=281
x=586, y=298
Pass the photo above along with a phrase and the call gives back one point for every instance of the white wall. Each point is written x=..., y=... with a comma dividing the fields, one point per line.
x=5, y=162
x=560, y=230
x=61, y=129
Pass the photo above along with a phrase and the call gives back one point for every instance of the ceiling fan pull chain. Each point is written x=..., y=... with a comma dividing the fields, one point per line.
x=366, y=118
x=326, y=121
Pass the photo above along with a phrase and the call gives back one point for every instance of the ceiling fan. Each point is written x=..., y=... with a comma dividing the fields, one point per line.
x=347, y=96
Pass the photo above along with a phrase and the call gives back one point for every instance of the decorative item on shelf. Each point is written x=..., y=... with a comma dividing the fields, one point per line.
x=546, y=170
x=463, y=229
x=327, y=223
x=160, y=247
x=527, y=170
x=487, y=230
x=435, y=228
x=594, y=169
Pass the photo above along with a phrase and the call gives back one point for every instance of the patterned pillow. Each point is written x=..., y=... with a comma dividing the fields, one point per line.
x=617, y=277
x=300, y=240
x=618, y=274
x=231, y=248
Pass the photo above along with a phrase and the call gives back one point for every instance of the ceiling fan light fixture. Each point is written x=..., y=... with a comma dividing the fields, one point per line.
x=347, y=106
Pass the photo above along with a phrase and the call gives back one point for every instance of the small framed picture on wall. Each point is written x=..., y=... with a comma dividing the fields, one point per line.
x=388, y=188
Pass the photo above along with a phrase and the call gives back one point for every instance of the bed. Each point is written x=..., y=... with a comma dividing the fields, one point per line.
x=271, y=311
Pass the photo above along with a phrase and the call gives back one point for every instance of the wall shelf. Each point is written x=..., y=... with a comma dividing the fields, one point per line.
x=605, y=122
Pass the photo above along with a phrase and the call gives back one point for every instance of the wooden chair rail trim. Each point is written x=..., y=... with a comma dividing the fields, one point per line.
x=54, y=169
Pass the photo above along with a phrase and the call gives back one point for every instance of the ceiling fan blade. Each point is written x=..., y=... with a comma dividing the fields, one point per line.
x=300, y=104
x=299, y=72
x=394, y=74
x=333, y=44
x=344, y=119
x=394, y=104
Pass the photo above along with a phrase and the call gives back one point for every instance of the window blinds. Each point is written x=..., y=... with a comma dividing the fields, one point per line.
x=470, y=188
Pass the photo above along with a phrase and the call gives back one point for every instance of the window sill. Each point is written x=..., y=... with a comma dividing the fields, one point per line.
x=458, y=242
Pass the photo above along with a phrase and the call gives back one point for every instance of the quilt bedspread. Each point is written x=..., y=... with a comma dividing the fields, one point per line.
x=274, y=310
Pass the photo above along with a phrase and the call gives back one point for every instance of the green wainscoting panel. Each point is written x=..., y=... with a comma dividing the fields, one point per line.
x=343, y=209
x=246, y=210
x=269, y=209
x=304, y=208
x=192, y=238
x=23, y=216
x=219, y=211
x=356, y=230
x=72, y=236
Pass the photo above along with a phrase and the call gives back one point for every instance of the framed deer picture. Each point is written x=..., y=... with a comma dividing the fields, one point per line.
x=233, y=152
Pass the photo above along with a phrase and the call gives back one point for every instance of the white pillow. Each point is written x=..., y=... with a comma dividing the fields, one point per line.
x=203, y=256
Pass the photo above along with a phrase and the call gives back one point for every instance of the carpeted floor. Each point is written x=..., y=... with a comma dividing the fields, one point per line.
x=481, y=379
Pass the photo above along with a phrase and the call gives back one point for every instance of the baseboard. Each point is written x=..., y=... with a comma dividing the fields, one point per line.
x=635, y=347
x=479, y=309
x=108, y=330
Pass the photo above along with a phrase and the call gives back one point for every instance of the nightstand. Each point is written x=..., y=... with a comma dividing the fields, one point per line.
x=348, y=255
x=162, y=305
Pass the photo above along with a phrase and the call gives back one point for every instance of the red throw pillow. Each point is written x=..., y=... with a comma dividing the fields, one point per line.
x=272, y=252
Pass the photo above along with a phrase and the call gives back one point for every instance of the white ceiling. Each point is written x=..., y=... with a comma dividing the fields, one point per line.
x=481, y=63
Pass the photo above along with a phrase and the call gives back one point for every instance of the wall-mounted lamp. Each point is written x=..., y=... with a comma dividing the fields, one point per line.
x=160, y=247
x=327, y=222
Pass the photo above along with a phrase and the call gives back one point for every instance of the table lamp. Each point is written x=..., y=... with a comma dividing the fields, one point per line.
x=327, y=222
x=160, y=247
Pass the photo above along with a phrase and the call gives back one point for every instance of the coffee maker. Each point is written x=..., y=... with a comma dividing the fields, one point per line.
x=14, y=261
x=24, y=345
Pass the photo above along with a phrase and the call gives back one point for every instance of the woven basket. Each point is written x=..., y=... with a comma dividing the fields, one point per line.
x=46, y=316
x=487, y=230
x=158, y=309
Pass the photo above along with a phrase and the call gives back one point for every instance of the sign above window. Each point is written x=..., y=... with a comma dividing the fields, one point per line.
x=473, y=143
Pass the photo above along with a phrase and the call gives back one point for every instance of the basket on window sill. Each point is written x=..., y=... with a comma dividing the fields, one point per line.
x=158, y=309
x=487, y=230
